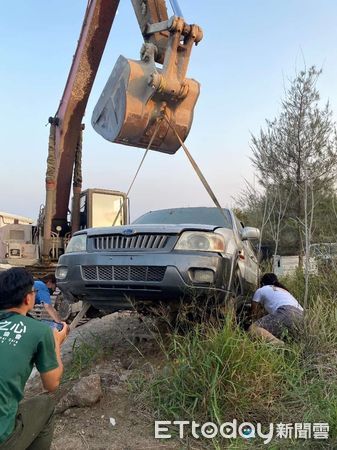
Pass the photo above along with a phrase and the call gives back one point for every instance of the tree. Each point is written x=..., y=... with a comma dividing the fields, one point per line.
x=296, y=154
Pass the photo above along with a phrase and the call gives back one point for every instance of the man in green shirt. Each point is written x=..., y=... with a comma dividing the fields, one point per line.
x=25, y=342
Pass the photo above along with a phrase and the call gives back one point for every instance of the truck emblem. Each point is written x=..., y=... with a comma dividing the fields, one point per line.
x=128, y=231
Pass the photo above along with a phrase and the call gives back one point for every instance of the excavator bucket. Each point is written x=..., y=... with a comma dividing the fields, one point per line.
x=130, y=104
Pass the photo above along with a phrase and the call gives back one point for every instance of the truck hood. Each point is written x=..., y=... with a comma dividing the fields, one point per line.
x=129, y=230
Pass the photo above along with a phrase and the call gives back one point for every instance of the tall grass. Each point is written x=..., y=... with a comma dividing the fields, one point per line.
x=84, y=356
x=218, y=374
x=215, y=374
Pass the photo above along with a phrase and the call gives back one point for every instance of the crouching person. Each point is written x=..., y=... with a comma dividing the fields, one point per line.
x=283, y=313
x=25, y=342
x=44, y=289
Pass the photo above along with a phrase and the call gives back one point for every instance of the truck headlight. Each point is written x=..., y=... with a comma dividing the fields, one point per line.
x=201, y=241
x=61, y=272
x=77, y=244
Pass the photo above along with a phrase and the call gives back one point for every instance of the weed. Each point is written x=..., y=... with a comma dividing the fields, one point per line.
x=216, y=373
x=84, y=355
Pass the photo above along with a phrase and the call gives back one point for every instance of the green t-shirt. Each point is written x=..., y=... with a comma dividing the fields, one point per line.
x=23, y=342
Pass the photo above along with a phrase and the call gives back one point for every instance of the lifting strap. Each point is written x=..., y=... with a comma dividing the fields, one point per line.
x=159, y=120
x=190, y=158
x=197, y=169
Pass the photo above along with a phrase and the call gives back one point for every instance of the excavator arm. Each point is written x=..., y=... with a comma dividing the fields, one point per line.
x=63, y=164
x=66, y=125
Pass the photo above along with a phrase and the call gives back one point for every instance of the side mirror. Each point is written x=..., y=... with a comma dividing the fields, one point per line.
x=249, y=233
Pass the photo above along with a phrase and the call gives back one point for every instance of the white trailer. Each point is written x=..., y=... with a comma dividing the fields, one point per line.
x=17, y=243
x=287, y=265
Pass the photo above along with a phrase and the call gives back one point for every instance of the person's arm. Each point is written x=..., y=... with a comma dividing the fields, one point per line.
x=51, y=379
x=43, y=296
x=257, y=311
x=52, y=312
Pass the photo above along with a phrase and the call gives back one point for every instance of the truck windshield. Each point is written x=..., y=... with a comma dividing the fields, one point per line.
x=207, y=216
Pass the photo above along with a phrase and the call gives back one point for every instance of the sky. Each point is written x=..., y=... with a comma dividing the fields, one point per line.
x=250, y=51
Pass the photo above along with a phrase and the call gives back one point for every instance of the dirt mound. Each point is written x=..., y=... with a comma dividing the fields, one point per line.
x=127, y=346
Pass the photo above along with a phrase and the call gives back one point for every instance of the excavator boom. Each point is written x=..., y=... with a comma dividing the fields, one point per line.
x=66, y=125
x=171, y=41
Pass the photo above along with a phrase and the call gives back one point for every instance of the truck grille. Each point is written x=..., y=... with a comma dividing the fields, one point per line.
x=123, y=273
x=137, y=242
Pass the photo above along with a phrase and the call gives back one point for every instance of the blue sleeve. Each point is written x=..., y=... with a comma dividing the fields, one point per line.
x=42, y=294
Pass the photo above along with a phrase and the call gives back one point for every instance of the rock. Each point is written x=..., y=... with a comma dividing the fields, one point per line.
x=70, y=413
x=125, y=375
x=128, y=363
x=85, y=392
x=110, y=379
x=148, y=368
x=117, y=389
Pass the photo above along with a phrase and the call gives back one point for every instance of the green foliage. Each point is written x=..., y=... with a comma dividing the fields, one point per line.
x=295, y=156
x=84, y=356
x=322, y=287
x=301, y=139
x=218, y=374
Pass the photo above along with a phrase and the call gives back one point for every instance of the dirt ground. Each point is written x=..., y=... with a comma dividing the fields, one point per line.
x=130, y=347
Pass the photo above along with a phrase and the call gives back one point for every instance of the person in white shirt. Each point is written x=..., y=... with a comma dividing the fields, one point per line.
x=283, y=313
